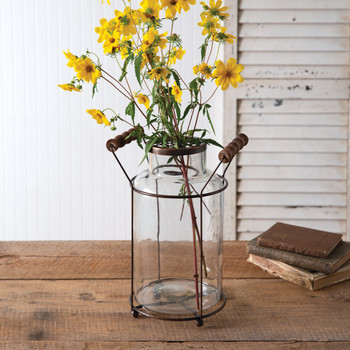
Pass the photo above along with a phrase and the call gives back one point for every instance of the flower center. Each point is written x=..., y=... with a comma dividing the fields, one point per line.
x=158, y=70
x=173, y=2
x=88, y=68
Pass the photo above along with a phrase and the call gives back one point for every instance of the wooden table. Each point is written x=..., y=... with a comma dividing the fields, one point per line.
x=74, y=296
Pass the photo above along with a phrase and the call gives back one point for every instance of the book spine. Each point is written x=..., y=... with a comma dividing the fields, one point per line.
x=286, y=257
x=278, y=269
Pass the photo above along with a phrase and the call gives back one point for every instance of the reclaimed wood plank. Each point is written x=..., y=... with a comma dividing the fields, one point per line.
x=98, y=310
x=94, y=259
x=83, y=345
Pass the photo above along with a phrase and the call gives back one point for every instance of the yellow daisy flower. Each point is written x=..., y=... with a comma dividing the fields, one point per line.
x=72, y=58
x=158, y=73
x=150, y=10
x=112, y=43
x=223, y=37
x=142, y=99
x=176, y=54
x=101, y=31
x=99, y=116
x=172, y=7
x=176, y=91
x=204, y=69
x=86, y=70
x=210, y=24
x=214, y=9
x=69, y=87
x=127, y=21
x=148, y=39
x=226, y=75
x=185, y=4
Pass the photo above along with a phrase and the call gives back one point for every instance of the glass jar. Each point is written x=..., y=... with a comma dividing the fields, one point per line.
x=177, y=234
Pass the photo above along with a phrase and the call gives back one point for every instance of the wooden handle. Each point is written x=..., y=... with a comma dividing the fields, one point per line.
x=227, y=154
x=121, y=140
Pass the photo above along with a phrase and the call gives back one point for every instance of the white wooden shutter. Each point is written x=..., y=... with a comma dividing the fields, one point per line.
x=294, y=106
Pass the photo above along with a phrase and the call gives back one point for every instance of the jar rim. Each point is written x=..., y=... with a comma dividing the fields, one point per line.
x=178, y=151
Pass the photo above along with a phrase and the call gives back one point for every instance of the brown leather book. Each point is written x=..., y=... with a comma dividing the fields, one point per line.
x=299, y=240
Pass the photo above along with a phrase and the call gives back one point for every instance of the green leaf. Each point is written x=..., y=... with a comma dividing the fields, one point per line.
x=148, y=147
x=210, y=122
x=203, y=51
x=176, y=78
x=213, y=142
x=177, y=109
x=130, y=110
x=94, y=89
x=137, y=63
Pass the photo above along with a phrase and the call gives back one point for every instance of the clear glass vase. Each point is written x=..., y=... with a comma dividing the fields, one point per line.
x=177, y=234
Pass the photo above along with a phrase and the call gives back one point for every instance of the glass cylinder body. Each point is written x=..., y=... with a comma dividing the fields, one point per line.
x=177, y=234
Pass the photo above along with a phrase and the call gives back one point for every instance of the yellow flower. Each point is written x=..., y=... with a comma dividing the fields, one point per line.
x=127, y=21
x=204, y=69
x=125, y=45
x=184, y=4
x=112, y=43
x=176, y=54
x=210, y=24
x=142, y=99
x=225, y=75
x=150, y=9
x=69, y=87
x=72, y=58
x=148, y=39
x=102, y=30
x=86, y=70
x=158, y=73
x=223, y=37
x=99, y=116
x=215, y=9
x=176, y=91
x=108, y=2
x=172, y=6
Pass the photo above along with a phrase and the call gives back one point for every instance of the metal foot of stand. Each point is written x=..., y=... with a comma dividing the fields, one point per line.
x=139, y=309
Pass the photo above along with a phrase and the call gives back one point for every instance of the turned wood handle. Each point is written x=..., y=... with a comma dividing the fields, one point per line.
x=233, y=148
x=120, y=140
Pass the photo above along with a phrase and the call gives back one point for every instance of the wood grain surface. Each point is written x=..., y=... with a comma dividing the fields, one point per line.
x=74, y=295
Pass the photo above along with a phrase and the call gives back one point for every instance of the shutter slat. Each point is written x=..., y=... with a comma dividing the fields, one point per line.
x=284, y=213
x=287, y=186
x=300, y=146
x=297, y=132
x=295, y=4
x=293, y=58
x=294, y=16
x=295, y=72
x=292, y=199
x=293, y=159
x=294, y=119
x=297, y=44
x=293, y=106
x=292, y=173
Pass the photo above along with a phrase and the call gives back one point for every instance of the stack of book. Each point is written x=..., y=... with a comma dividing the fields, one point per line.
x=310, y=258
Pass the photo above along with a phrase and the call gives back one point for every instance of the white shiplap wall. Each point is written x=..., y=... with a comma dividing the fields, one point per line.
x=57, y=180
x=294, y=106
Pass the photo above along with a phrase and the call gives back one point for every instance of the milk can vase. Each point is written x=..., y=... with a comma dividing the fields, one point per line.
x=177, y=232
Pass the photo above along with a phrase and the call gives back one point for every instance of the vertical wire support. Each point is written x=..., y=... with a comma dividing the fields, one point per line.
x=132, y=249
x=202, y=257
